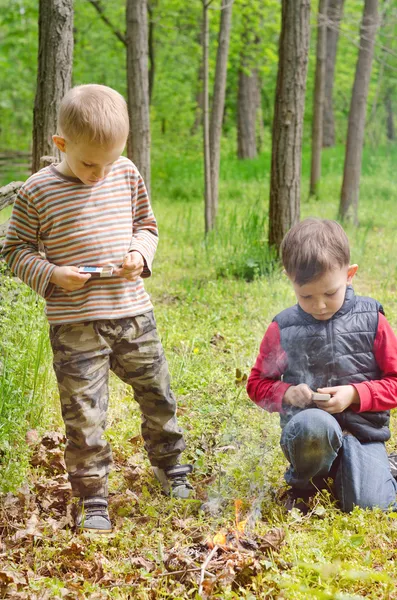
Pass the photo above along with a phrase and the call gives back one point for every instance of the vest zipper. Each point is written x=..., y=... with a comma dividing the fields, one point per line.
x=330, y=342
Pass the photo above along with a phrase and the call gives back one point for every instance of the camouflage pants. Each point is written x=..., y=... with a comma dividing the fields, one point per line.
x=83, y=355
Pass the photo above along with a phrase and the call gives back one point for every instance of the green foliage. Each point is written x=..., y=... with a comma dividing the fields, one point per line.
x=25, y=376
x=99, y=56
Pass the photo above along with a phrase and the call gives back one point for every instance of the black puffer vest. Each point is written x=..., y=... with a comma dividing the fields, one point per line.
x=335, y=352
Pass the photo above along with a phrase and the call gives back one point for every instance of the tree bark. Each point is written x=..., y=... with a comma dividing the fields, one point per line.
x=218, y=101
x=334, y=17
x=206, y=124
x=152, y=56
x=390, y=129
x=318, y=99
x=348, y=207
x=288, y=119
x=138, y=148
x=54, y=75
x=247, y=106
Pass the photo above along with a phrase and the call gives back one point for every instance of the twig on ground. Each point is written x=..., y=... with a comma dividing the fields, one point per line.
x=204, y=566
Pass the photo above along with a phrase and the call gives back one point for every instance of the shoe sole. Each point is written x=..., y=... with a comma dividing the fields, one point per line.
x=92, y=530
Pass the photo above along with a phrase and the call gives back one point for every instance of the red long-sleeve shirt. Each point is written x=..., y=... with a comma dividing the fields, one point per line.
x=266, y=389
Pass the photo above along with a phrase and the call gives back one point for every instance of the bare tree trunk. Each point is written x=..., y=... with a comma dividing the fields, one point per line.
x=260, y=128
x=218, y=101
x=54, y=75
x=138, y=87
x=152, y=61
x=247, y=106
x=355, y=134
x=334, y=17
x=288, y=119
x=318, y=99
x=391, y=131
x=206, y=124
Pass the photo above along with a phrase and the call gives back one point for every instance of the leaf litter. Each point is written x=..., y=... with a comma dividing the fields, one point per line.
x=37, y=522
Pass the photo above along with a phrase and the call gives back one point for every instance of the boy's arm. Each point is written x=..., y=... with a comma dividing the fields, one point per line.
x=264, y=384
x=381, y=394
x=145, y=233
x=20, y=248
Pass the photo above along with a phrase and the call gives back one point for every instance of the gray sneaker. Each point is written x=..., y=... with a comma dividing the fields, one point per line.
x=174, y=481
x=93, y=515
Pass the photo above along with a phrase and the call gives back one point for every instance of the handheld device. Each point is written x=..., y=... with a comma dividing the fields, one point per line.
x=100, y=271
x=316, y=397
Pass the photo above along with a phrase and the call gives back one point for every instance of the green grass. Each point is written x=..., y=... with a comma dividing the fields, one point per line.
x=201, y=289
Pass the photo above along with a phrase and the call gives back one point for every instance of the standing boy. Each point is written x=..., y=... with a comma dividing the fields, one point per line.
x=332, y=342
x=92, y=209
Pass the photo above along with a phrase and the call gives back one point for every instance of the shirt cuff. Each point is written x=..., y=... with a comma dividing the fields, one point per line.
x=365, y=398
x=46, y=288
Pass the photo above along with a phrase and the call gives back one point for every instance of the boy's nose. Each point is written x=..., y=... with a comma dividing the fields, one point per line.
x=319, y=304
x=99, y=172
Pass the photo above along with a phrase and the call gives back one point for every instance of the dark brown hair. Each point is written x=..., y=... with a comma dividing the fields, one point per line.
x=313, y=247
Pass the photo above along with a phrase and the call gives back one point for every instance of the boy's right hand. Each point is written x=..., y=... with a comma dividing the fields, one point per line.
x=298, y=395
x=69, y=278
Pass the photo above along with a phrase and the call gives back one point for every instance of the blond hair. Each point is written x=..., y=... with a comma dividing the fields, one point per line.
x=93, y=113
x=313, y=247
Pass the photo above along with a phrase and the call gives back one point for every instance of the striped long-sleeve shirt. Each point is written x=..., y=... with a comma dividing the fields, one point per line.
x=83, y=225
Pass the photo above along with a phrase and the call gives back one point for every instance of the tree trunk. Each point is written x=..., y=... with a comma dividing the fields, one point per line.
x=355, y=134
x=390, y=129
x=138, y=87
x=152, y=58
x=334, y=17
x=54, y=75
x=247, y=106
x=318, y=99
x=206, y=124
x=288, y=119
x=218, y=101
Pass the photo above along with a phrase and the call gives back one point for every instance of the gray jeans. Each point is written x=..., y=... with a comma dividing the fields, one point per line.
x=316, y=447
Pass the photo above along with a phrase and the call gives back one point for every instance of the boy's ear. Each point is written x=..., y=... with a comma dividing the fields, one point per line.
x=59, y=142
x=352, y=270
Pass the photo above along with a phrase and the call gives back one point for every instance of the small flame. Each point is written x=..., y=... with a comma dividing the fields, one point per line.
x=219, y=539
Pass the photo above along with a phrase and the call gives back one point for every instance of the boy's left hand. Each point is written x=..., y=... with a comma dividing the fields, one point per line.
x=132, y=266
x=342, y=396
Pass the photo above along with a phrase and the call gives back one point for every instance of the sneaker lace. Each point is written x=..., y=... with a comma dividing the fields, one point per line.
x=180, y=481
x=178, y=476
x=95, y=509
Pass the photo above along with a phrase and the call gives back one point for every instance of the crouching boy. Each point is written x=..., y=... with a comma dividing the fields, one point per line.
x=92, y=209
x=331, y=342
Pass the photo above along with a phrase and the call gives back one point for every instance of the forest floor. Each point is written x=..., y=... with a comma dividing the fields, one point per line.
x=213, y=302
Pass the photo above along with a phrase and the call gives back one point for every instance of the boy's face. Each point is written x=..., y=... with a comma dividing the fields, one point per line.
x=88, y=162
x=323, y=297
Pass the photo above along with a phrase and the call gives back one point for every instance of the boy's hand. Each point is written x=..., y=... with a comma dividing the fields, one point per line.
x=342, y=396
x=69, y=278
x=298, y=395
x=132, y=266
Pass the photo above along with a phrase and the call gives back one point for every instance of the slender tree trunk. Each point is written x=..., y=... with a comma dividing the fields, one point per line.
x=260, y=128
x=247, y=106
x=318, y=99
x=198, y=117
x=288, y=119
x=390, y=129
x=206, y=124
x=355, y=134
x=152, y=57
x=138, y=86
x=334, y=17
x=218, y=101
x=54, y=75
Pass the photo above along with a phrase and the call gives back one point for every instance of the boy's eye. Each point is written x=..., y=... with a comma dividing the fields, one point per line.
x=331, y=293
x=305, y=297
x=86, y=164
